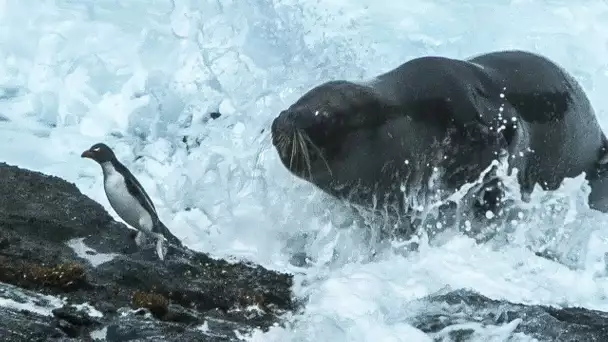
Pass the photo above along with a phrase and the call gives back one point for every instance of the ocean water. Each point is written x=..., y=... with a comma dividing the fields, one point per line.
x=143, y=77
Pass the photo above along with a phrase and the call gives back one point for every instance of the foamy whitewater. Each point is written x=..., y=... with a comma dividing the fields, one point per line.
x=142, y=75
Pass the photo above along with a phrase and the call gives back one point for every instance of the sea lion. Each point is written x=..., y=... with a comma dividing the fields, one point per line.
x=433, y=124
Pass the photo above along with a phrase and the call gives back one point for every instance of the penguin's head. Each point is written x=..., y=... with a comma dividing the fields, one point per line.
x=99, y=152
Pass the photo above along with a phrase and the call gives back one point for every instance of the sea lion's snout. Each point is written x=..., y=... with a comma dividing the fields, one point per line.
x=281, y=126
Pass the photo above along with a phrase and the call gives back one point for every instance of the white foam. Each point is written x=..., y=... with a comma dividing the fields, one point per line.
x=99, y=334
x=39, y=304
x=88, y=253
x=31, y=307
x=203, y=327
x=89, y=309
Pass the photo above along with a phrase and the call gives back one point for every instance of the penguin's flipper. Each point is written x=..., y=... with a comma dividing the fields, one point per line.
x=136, y=190
x=161, y=229
x=161, y=250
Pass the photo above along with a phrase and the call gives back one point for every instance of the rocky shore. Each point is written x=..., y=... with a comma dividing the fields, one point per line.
x=58, y=244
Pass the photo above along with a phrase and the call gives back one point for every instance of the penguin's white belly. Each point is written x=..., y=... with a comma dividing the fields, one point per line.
x=125, y=205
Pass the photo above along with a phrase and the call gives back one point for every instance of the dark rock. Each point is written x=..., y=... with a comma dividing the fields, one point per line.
x=69, y=329
x=106, y=308
x=21, y=326
x=215, y=115
x=24, y=326
x=51, y=238
x=74, y=316
x=442, y=314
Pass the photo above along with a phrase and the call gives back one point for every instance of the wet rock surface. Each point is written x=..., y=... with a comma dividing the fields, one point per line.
x=56, y=241
x=462, y=315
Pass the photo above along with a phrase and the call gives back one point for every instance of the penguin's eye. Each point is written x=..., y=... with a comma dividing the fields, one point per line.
x=96, y=149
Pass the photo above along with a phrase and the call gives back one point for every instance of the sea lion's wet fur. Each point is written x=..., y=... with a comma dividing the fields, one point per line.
x=379, y=144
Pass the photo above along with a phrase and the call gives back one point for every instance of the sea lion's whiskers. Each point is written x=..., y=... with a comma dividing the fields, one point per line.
x=293, y=150
x=285, y=141
x=305, y=153
x=282, y=138
x=281, y=144
x=319, y=152
x=265, y=143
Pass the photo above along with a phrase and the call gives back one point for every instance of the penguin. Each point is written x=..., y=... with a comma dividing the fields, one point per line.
x=129, y=199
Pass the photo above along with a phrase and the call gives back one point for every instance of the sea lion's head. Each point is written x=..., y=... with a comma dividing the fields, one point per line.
x=353, y=142
x=317, y=135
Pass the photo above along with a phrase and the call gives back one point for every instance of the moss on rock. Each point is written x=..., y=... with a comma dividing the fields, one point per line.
x=156, y=303
x=64, y=277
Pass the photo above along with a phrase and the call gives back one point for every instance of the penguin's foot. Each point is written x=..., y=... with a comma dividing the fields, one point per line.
x=161, y=249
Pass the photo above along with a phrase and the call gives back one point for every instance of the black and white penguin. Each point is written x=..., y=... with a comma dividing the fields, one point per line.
x=129, y=199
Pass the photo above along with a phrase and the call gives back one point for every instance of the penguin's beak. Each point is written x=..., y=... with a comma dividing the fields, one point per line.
x=87, y=154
